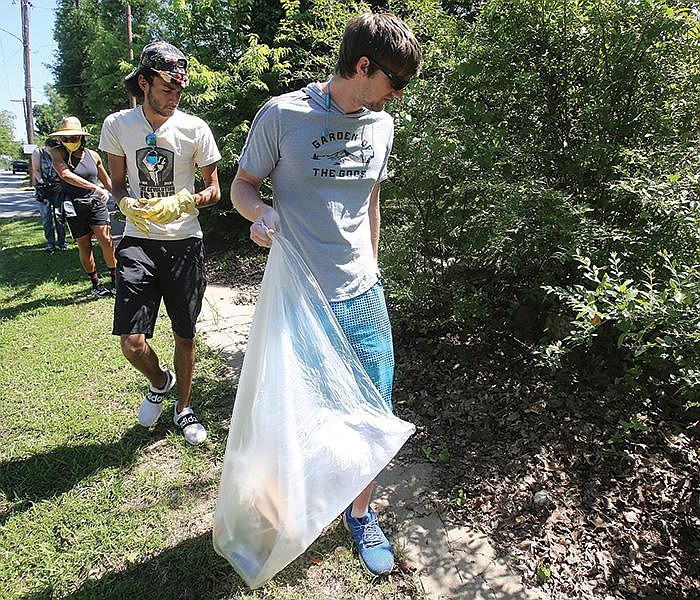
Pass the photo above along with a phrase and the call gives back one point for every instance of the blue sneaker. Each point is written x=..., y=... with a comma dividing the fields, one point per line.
x=372, y=546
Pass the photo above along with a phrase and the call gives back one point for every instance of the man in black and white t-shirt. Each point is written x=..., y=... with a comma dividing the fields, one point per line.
x=156, y=148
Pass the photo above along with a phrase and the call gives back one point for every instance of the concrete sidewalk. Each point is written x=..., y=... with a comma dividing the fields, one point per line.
x=451, y=562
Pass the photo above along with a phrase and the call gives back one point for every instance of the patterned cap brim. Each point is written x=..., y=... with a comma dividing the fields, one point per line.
x=170, y=77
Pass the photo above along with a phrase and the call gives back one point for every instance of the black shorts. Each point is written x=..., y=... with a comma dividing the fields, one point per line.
x=148, y=270
x=88, y=212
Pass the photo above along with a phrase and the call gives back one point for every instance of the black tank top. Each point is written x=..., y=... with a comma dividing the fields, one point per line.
x=85, y=168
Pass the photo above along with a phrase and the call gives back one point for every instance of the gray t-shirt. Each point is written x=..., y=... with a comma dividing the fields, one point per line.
x=323, y=165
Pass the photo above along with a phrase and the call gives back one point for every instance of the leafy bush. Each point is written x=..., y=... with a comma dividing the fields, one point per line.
x=470, y=263
x=639, y=310
x=653, y=322
x=543, y=139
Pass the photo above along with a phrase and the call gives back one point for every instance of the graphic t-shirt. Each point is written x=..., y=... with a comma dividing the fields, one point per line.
x=323, y=165
x=183, y=143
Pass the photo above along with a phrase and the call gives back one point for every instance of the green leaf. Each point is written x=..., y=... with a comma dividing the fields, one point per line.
x=544, y=572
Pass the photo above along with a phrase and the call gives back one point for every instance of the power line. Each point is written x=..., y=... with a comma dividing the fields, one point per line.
x=12, y=34
x=58, y=86
x=12, y=56
x=2, y=55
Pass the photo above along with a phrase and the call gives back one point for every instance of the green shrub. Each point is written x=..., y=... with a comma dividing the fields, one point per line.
x=639, y=310
x=651, y=323
x=543, y=135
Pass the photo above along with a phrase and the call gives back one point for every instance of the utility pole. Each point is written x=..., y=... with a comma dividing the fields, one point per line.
x=132, y=99
x=23, y=102
x=28, y=112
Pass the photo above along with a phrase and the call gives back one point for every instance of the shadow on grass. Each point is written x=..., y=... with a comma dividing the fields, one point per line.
x=25, y=267
x=213, y=394
x=31, y=306
x=28, y=263
x=41, y=476
x=192, y=570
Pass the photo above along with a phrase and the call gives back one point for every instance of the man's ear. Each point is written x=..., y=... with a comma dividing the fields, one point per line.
x=362, y=66
x=143, y=82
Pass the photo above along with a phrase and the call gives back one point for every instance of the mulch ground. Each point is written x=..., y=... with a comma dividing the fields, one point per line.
x=588, y=492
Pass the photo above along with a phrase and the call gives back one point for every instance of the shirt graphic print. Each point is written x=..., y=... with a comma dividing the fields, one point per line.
x=156, y=180
x=342, y=154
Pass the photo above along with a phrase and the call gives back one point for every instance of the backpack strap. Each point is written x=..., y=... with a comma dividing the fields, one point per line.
x=42, y=163
x=48, y=175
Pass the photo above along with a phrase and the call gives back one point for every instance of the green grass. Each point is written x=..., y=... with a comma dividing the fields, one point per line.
x=91, y=504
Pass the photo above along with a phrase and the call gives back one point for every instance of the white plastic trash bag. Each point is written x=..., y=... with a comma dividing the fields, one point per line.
x=309, y=430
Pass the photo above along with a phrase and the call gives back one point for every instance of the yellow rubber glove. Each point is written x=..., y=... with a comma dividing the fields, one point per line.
x=170, y=208
x=186, y=200
x=134, y=210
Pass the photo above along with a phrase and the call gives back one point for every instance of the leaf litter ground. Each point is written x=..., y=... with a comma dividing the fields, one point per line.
x=587, y=492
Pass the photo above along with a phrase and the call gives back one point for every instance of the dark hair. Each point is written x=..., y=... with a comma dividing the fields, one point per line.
x=132, y=84
x=383, y=37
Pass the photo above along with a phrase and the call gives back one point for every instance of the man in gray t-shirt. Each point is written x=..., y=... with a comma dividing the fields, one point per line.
x=325, y=149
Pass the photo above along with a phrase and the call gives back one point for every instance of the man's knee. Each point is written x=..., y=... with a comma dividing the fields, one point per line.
x=183, y=343
x=133, y=345
x=102, y=234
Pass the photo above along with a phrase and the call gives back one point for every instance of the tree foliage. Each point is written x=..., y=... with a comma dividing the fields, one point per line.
x=47, y=117
x=543, y=134
x=9, y=146
x=544, y=138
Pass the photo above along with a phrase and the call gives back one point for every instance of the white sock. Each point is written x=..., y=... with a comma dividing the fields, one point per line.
x=167, y=380
x=356, y=514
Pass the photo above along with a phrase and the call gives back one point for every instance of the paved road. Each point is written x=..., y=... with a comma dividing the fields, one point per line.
x=17, y=200
x=16, y=196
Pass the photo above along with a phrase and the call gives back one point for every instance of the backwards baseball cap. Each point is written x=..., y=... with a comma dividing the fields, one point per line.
x=165, y=60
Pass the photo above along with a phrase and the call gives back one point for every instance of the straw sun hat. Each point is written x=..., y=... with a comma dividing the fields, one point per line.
x=69, y=126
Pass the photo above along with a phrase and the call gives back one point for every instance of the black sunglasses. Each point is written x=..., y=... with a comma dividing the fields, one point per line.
x=398, y=83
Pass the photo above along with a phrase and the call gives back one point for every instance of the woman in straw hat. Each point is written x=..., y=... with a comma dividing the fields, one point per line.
x=85, y=202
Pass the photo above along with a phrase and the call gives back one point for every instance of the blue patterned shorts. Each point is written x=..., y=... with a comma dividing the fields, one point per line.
x=365, y=322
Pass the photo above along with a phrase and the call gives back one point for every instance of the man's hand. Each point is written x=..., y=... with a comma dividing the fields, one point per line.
x=264, y=227
x=101, y=193
x=136, y=212
x=170, y=208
